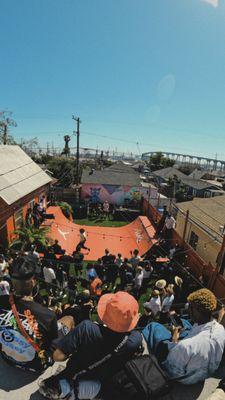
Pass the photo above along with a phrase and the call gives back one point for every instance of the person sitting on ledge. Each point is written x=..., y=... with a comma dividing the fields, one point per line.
x=96, y=351
x=191, y=353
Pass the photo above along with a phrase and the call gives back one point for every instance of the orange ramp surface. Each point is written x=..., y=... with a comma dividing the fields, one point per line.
x=136, y=235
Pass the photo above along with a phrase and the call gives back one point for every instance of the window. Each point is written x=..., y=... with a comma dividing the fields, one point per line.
x=193, y=241
x=18, y=218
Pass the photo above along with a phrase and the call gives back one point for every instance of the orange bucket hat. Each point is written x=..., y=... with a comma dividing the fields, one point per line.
x=119, y=311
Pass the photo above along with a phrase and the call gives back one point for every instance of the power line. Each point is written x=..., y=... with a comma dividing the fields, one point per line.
x=117, y=139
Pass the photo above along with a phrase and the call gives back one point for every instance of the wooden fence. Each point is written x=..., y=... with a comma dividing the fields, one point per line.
x=216, y=281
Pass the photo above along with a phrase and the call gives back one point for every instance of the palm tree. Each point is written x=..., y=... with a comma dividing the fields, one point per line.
x=28, y=235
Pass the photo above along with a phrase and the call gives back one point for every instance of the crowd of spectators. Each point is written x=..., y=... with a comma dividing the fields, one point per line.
x=56, y=307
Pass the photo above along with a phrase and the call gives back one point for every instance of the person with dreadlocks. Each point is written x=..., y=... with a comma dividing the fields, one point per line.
x=191, y=353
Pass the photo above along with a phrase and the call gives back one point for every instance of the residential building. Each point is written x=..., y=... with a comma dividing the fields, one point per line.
x=119, y=184
x=195, y=187
x=22, y=183
x=203, y=229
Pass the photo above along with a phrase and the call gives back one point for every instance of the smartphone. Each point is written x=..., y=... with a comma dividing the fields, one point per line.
x=176, y=320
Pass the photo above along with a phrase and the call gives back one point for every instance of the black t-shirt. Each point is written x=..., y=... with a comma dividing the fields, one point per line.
x=39, y=322
x=106, y=259
x=113, y=269
x=79, y=313
x=78, y=257
x=57, y=248
x=90, y=342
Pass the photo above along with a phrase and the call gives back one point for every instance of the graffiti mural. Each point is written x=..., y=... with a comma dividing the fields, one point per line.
x=114, y=194
x=95, y=195
x=138, y=235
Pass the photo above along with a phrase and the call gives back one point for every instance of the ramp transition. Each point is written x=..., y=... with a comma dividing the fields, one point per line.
x=138, y=234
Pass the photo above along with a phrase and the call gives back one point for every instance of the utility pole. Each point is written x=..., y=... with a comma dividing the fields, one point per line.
x=78, y=121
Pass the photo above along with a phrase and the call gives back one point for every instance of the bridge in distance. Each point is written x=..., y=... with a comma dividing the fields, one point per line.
x=208, y=163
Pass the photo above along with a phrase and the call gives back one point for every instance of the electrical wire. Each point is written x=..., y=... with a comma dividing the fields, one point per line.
x=194, y=219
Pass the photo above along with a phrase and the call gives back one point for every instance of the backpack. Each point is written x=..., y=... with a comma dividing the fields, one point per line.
x=141, y=379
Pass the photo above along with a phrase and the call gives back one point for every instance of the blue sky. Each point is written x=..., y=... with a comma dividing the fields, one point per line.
x=146, y=71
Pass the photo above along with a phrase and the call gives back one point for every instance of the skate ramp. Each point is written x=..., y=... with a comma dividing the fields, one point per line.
x=136, y=235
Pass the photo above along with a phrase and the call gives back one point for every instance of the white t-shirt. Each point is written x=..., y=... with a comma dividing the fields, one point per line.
x=4, y=288
x=167, y=303
x=147, y=273
x=43, y=202
x=49, y=274
x=106, y=207
x=83, y=237
x=155, y=304
x=138, y=279
x=3, y=266
x=170, y=223
x=198, y=355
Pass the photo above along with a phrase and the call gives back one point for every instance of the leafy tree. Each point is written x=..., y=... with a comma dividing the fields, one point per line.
x=5, y=122
x=30, y=146
x=186, y=169
x=176, y=189
x=181, y=194
x=28, y=235
x=63, y=169
x=159, y=161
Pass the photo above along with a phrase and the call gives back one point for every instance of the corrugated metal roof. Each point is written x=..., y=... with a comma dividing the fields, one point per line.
x=19, y=174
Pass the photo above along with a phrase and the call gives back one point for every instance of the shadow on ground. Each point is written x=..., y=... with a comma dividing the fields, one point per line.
x=12, y=378
x=16, y=384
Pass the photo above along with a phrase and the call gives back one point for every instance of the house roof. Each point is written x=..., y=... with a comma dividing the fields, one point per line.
x=208, y=213
x=197, y=174
x=213, y=182
x=198, y=184
x=117, y=174
x=217, y=173
x=121, y=167
x=19, y=174
x=169, y=172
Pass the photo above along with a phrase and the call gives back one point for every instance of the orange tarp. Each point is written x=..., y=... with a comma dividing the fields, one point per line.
x=136, y=235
